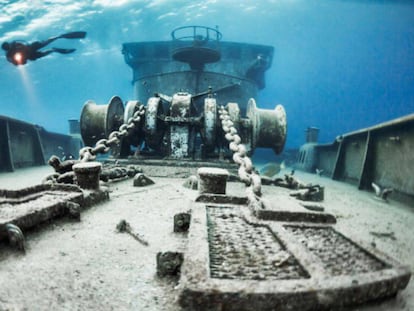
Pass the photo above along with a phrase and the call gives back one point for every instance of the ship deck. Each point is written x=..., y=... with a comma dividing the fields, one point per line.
x=71, y=265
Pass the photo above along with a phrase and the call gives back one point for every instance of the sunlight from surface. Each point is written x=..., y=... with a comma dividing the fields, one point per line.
x=111, y=3
x=338, y=65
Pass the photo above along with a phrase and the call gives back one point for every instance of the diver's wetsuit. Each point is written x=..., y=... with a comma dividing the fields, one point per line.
x=32, y=51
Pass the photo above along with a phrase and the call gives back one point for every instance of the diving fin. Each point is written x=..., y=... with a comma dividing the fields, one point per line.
x=63, y=51
x=74, y=35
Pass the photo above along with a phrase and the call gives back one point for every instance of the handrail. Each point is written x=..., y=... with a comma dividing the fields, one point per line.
x=196, y=33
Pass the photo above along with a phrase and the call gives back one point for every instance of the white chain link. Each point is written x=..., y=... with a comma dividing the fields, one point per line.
x=246, y=171
x=104, y=145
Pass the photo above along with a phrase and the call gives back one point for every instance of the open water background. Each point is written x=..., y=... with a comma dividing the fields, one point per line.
x=338, y=65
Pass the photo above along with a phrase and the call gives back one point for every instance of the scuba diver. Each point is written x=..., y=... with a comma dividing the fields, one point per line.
x=18, y=52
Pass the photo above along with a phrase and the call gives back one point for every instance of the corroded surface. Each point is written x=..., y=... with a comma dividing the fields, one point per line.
x=31, y=206
x=116, y=272
x=212, y=180
x=11, y=209
x=337, y=254
x=242, y=250
x=87, y=174
x=236, y=261
x=35, y=202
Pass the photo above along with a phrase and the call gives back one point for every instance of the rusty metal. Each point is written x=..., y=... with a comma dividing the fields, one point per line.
x=269, y=127
x=24, y=209
x=153, y=128
x=313, y=193
x=237, y=250
x=180, y=130
x=98, y=121
x=257, y=249
x=210, y=122
x=246, y=173
x=378, y=154
x=124, y=226
x=131, y=107
x=141, y=180
x=61, y=167
x=191, y=182
x=196, y=45
x=212, y=180
x=87, y=174
x=169, y=263
x=245, y=263
x=23, y=144
x=182, y=222
x=174, y=128
x=118, y=172
x=114, y=138
x=16, y=237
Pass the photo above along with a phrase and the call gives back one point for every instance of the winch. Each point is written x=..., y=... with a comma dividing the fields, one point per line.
x=176, y=127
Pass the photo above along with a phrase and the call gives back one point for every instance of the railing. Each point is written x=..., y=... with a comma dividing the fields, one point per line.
x=196, y=34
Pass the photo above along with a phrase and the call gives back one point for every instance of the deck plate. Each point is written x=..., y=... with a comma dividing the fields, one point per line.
x=236, y=261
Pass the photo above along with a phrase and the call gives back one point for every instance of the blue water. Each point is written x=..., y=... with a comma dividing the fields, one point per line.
x=338, y=65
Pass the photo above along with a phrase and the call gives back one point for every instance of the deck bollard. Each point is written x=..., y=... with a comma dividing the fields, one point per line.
x=87, y=174
x=212, y=180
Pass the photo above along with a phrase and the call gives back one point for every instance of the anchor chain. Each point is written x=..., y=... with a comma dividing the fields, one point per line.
x=104, y=145
x=246, y=170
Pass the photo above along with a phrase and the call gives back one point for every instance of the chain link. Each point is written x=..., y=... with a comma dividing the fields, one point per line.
x=246, y=171
x=104, y=145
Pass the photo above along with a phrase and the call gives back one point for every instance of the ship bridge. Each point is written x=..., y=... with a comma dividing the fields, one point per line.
x=196, y=59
